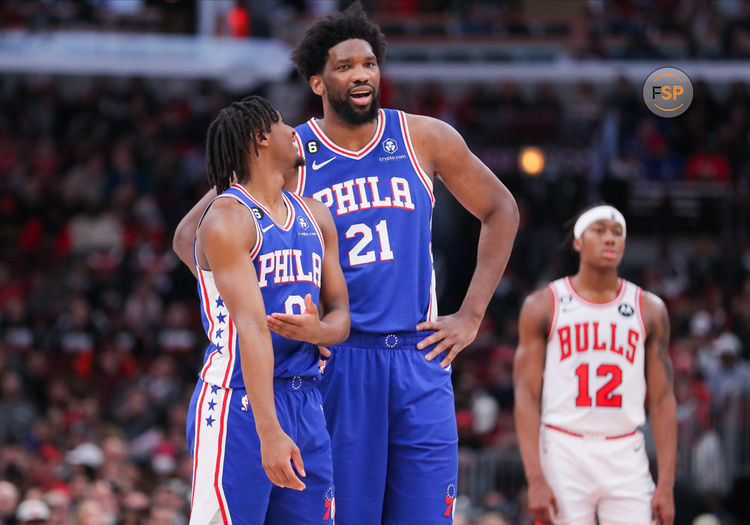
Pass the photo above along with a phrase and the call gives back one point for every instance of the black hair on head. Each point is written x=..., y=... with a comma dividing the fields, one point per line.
x=311, y=53
x=569, y=225
x=229, y=136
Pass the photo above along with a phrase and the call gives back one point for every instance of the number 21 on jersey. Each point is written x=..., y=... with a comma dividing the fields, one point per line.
x=358, y=255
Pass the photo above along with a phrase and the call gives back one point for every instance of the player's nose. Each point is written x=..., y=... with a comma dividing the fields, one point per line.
x=361, y=74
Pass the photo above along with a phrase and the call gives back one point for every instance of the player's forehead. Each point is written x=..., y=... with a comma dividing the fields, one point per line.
x=605, y=223
x=350, y=50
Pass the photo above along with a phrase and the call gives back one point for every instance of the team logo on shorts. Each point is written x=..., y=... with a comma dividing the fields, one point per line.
x=303, y=223
x=626, y=310
x=258, y=212
x=390, y=146
x=312, y=146
x=245, y=404
x=330, y=505
x=450, y=497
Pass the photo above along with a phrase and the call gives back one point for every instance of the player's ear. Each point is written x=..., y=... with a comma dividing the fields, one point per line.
x=577, y=244
x=317, y=85
x=262, y=140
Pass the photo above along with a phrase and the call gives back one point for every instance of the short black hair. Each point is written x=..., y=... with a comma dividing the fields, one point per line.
x=229, y=136
x=311, y=53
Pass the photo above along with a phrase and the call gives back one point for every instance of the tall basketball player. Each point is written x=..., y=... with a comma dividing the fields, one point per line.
x=388, y=401
x=591, y=346
x=262, y=256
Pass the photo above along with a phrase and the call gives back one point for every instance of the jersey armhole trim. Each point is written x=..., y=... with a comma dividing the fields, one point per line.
x=302, y=170
x=258, y=232
x=422, y=174
x=639, y=310
x=553, y=317
x=258, y=236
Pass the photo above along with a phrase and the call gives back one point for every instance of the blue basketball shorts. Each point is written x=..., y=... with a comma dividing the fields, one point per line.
x=392, y=421
x=229, y=483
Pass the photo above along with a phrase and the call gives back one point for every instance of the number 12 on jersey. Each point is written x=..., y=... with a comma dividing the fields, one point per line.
x=604, y=396
x=357, y=255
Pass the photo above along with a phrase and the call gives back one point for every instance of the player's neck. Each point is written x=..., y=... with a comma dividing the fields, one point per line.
x=344, y=134
x=596, y=284
x=265, y=186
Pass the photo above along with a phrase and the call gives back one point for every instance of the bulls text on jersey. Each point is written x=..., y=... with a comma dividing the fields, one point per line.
x=586, y=336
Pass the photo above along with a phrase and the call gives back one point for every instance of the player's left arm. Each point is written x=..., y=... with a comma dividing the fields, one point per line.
x=333, y=326
x=443, y=153
x=662, y=404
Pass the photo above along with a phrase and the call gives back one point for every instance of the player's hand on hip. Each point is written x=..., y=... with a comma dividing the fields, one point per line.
x=452, y=332
x=662, y=505
x=542, y=502
x=303, y=327
x=278, y=451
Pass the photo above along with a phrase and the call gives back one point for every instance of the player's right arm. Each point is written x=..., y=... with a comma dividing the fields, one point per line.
x=225, y=238
x=528, y=371
x=184, y=234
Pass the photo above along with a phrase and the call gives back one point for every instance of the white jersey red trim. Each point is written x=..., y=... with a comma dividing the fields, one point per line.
x=594, y=374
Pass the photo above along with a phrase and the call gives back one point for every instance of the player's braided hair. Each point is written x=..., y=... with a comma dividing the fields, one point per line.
x=229, y=136
x=311, y=53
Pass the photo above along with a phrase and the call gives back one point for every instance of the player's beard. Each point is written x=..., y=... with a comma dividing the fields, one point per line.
x=299, y=162
x=352, y=114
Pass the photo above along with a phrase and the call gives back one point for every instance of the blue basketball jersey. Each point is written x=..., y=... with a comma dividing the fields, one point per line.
x=288, y=260
x=381, y=201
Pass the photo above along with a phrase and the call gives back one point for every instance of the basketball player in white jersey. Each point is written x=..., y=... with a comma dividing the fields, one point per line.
x=591, y=346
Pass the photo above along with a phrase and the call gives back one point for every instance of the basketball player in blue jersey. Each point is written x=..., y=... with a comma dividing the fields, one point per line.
x=262, y=256
x=388, y=400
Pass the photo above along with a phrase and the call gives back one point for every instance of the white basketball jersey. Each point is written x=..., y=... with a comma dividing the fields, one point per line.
x=594, y=376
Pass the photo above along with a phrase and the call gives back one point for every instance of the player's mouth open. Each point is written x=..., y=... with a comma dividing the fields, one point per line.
x=361, y=96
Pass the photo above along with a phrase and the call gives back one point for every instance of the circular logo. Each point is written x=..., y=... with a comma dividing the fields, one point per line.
x=258, y=212
x=302, y=223
x=668, y=92
x=312, y=146
x=626, y=310
x=390, y=145
x=391, y=340
x=451, y=492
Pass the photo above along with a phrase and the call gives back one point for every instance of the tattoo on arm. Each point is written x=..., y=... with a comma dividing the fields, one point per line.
x=663, y=346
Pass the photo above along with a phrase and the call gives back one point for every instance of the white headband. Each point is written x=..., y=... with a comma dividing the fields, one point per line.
x=597, y=214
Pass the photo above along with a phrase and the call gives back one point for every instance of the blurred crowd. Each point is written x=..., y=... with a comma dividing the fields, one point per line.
x=626, y=29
